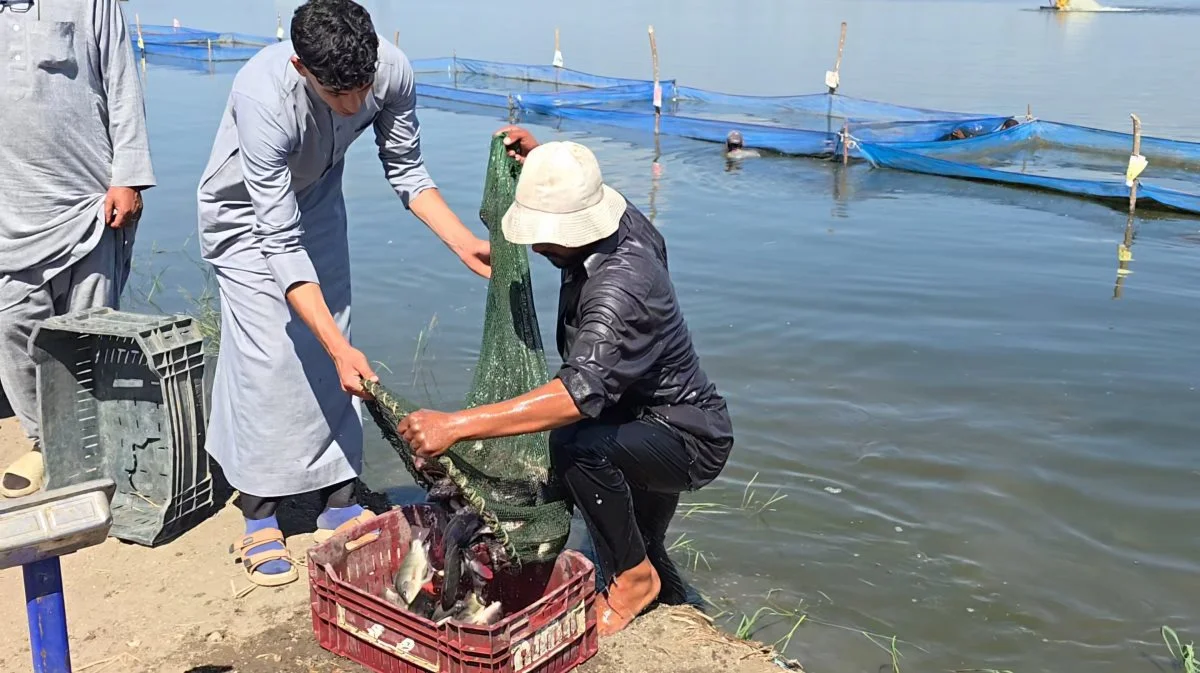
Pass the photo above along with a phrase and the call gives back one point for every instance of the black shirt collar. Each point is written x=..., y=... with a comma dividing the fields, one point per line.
x=599, y=251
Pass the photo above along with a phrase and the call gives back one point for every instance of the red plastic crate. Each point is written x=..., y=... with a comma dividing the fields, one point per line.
x=553, y=632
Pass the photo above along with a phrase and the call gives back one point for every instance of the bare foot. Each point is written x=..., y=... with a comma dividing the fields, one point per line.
x=631, y=592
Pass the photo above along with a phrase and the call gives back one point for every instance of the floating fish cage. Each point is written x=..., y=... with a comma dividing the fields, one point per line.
x=191, y=44
x=549, y=623
x=827, y=125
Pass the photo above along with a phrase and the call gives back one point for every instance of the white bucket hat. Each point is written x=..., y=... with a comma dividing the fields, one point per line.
x=561, y=199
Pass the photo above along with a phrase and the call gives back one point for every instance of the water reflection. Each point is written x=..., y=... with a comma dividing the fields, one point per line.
x=1124, y=257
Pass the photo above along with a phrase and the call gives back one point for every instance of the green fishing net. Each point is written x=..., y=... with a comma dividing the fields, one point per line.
x=508, y=480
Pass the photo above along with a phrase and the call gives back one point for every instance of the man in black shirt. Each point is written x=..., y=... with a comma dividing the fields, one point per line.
x=635, y=420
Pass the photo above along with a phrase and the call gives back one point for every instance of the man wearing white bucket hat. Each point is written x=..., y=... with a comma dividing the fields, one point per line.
x=635, y=419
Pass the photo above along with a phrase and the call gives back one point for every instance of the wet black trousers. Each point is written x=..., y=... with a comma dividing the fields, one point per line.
x=339, y=495
x=625, y=479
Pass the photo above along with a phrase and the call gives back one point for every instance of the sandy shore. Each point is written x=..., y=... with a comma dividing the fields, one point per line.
x=182, y=608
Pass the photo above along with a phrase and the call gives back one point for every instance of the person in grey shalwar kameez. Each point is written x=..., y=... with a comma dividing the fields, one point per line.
x=286, y=419
x=74, y=158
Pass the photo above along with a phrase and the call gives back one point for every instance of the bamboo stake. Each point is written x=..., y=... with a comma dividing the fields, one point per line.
x=1029, y=112
x=210, y=50
x=141, y=44
x=837, y=66
x=279, y=27
x=846, y=142
x=1124, y=252
x=396, y=40
x=557, y=56
x=657, y=86
x=1137, y=149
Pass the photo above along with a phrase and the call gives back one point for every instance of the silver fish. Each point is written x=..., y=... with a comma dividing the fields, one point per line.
x=474, y=612
x=414, y=571
x=390, y=595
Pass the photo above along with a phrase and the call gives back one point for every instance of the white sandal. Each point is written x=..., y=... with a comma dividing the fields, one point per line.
x=30, y=467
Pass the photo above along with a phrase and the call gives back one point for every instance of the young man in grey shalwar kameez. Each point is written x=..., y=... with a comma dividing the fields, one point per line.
x=74, y=158
x=285, y=418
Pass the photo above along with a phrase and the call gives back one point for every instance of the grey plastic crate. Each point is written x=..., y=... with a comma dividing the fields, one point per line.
x=121, y=397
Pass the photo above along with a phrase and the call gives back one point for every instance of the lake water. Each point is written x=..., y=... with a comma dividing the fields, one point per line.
x=983, y=451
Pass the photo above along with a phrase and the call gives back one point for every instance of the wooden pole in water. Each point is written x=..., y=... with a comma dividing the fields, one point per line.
x=557, y=55
x=846, y=142
x=1124, y=254
x=657, y=86
x=1029, y=112
x=210, y=50
x=279, y=27
x=141, y=44
x=1137, y=150
x=396, y=40
x=837, y=66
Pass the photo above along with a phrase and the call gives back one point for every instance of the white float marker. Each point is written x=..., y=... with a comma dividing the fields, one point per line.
x=557, y=61
x=558, y=57
x=1137, y=162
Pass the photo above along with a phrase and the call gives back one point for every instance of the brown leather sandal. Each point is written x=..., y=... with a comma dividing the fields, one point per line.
x=251, y=562
x=323, y=534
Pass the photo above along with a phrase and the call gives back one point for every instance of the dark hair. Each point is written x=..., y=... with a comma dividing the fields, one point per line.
x=336, y=41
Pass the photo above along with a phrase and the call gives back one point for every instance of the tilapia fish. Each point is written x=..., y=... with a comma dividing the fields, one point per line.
x=471, y=610
x=415, y=570
x=476, y=613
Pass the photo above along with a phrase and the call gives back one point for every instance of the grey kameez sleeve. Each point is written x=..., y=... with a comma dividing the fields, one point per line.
x=263, y=146
x=616, y=345
x=131, y=166
x=398, y=135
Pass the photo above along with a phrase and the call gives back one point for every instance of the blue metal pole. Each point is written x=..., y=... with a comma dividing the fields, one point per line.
x=47, y=616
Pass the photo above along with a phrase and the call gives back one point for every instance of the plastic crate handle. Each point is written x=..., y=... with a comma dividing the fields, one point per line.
x=403, y=649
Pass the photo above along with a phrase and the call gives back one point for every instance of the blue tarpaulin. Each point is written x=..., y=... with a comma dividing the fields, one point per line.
x=1058, y=157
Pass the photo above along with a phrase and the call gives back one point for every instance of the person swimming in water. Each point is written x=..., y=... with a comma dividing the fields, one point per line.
x=735, y=151
x=735, y=147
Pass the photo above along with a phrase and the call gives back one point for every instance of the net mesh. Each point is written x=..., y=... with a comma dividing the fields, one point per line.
x=507, y=480
x=190, y=44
